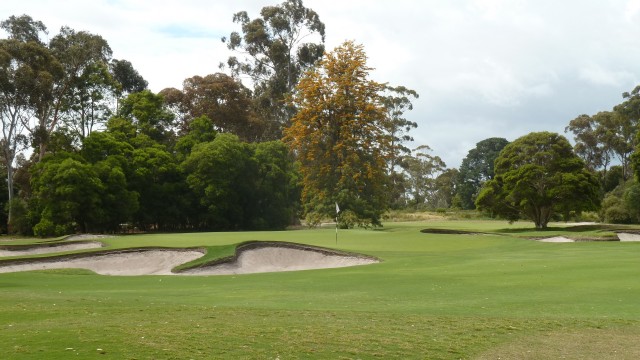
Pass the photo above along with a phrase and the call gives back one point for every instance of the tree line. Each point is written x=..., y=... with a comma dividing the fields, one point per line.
x=313, y=131
x=107, y=154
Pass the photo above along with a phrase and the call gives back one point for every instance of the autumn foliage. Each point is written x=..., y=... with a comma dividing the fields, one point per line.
x=339, y=137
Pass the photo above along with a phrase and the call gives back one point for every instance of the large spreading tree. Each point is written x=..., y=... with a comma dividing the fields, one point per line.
x=538, y=176
x=339, y=135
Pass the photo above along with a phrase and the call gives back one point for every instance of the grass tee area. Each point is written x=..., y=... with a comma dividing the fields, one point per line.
x=433, y=296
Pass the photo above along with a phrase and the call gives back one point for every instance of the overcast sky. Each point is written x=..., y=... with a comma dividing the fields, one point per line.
x=483, y=68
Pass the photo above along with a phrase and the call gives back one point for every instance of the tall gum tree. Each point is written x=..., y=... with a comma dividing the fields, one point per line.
x=339, y=136
x=27, y=74
x=278, y=46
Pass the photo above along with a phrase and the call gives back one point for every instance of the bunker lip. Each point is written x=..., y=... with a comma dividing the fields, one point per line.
x=452, y=232
x=162, y=260
x=47, y=248
x=274, y=256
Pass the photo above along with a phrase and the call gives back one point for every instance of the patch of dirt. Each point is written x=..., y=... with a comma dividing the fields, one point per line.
x=260, y=257
x=25, y=250
x=619, y=344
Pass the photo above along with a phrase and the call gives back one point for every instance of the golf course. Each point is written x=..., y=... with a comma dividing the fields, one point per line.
x=442, y=289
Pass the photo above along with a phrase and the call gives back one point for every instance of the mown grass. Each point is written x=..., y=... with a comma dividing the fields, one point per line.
x=433, y=297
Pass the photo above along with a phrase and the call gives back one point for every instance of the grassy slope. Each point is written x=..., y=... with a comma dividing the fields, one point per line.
x=434, y=296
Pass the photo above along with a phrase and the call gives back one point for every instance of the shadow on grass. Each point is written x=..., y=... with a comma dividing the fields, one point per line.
x=453, y=232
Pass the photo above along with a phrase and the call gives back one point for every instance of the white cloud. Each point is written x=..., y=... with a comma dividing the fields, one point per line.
x=599, y=75
x=482, y=67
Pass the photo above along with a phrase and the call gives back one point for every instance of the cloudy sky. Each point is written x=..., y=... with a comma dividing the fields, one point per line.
x=483, y=68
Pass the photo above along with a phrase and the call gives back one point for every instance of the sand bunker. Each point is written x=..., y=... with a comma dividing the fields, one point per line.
x=262, y=257
x=25, y=250
x=628, y=236
x=124, y=262
x=254, y=257
x=556, y=239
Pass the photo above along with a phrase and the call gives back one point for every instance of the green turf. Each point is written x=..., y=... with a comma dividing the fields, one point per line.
x=433, y=297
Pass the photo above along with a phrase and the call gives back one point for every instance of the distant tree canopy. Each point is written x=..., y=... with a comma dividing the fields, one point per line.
x=536, y=177
x=476, y=169
x=275, y=56
x=223, y=99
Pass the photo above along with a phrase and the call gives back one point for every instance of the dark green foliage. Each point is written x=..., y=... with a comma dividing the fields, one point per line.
x=622, y=204
x=240, y=185
x=68, y=192
x=276, y=187
x=128, y=78
x=612, y=178
x=538, y=177
x=476, y=169
x=146, y=114
x=200, y=130
x=23, y=28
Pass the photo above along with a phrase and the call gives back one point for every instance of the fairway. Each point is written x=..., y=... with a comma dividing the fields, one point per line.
x=488, y=294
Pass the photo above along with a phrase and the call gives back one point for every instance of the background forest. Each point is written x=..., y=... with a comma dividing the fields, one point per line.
x=86, y=147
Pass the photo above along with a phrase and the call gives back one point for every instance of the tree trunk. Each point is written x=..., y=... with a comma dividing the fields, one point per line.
x=10, y=200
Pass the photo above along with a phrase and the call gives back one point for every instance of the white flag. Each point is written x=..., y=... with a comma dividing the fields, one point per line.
x=337, y=208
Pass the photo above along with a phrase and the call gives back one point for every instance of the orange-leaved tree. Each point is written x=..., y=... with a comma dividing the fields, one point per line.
x=339, y=137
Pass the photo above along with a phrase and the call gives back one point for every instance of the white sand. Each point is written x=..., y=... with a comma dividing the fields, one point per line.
x=256, y=259
x=47, y=249
x=278, y=258
x=628, y=237
x=557, y=239
x=140, y=262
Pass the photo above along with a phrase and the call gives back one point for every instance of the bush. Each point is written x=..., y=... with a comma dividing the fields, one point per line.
x=348, y=220
x=44, y=228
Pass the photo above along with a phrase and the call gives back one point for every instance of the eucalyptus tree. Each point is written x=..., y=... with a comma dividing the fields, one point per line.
x=223, y=99
x=588, y=135
x=28, y=72
x=397, y=101
x=276, y=55
x=85, y=61
x=128, y=78
x=626, y=126
x=423, y=169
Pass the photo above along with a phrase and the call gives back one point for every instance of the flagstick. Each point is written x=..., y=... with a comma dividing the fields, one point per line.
x=337, y=213
x=336, y=229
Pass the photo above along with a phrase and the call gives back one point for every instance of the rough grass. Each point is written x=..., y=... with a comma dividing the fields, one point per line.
x=435, y=296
